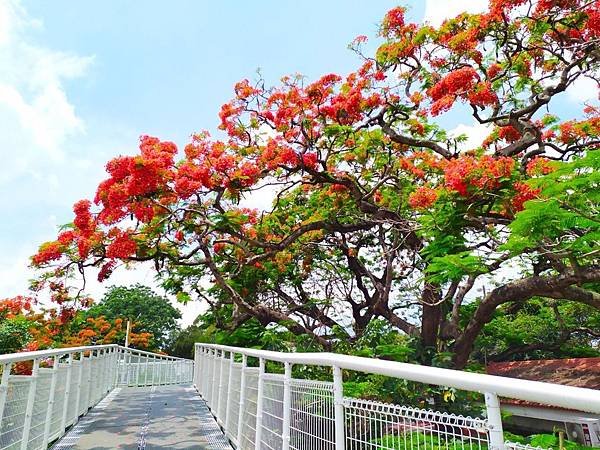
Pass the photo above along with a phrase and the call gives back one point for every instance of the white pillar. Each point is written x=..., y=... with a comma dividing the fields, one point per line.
x=79, y=387
x=495, y=421
x=228, y=399
x=63, y=421
x=153, y=370
x=242, y=402
x=259, y=404
x=338, y=402
x=197, y=376
x=51, y=398
x=88, y=382
x=220, y=388
x=30, y=403
x=6, y=368
x=287, y=406
x=127, y=366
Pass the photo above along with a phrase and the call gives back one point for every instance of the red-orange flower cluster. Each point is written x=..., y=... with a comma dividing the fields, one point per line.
x=467, y=174
x=423, y=197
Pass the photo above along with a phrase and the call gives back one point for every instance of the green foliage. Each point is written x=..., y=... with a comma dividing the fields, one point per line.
x=540, y=329
x=454, y=267
x=210, y=328
x=149, y=311
x=569, y=217
x=14, y=334
x=421, y=441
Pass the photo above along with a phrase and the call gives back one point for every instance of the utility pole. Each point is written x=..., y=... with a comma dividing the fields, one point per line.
x=127, y=333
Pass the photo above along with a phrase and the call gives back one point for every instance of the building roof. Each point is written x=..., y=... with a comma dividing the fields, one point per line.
x=578, y=372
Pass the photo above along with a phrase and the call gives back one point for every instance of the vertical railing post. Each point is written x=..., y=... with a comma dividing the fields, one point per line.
x=338, y=402
x=173, y=377
x=220, y=388
x=197, y=369
x=100, y=377
x=114, y=365
x=63, y=420
x=30, y=402
x=242, y=401
x=88, y=381
x=154, y=370
x=210, y=378
x=51, y=398
x=106, y=358
x=128, y=368
x=492, y=404
x=259, y=404
x=146, y=370
x=122, y=367
x=79, y=386
x=215, y=386
x=161, y=370
x=136, y=379
x=287, y=405
x=229, y=389
x=6, y=368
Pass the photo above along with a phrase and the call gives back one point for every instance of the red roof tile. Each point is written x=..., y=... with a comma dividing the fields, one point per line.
x=578, y=372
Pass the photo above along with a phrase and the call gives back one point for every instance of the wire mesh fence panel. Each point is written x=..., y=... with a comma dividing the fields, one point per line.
x=207, y=379
x=167, y=374
x=153, y=370
x=59, y=402
x=152, y=379
x=249, y=412
x=312, y=423
x=40, y=408
x=223, y=385
x=233, y=402
x=84, y=397
x=214, y=399
x=272, y=412
x=95, y=365
x=382, y=426
x=13, y=419
x=72, y=408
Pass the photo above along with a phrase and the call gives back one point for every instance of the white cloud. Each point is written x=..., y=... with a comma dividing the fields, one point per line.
x=583, y=90
x=475, y=135
x=38, y=127
x=35, y=114
x=436, y=11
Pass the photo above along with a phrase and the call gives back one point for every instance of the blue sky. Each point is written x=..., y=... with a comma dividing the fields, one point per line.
x=81, y=81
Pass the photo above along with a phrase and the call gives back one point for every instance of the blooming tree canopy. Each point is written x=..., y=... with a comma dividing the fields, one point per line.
x=378, y=212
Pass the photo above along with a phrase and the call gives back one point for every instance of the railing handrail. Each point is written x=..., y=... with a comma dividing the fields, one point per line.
x=27, y=356
x=570, y=397
x=39, y=354
x=144, y=352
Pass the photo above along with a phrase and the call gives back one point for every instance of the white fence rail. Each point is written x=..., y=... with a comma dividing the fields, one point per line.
x=267, y=411
x=63, y=384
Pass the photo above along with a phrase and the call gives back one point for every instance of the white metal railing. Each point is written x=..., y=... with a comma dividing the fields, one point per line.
x=38, y=407
x=259, y=410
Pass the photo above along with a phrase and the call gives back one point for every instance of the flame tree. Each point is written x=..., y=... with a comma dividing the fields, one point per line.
x=377, y=211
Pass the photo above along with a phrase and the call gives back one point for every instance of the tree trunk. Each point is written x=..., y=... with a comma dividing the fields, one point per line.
x=431, y=316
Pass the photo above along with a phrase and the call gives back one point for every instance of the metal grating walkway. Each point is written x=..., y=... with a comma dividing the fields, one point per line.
x=157, y=418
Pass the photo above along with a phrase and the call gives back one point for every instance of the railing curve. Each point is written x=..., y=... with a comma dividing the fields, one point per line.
x=260, y=410
x=42, y=393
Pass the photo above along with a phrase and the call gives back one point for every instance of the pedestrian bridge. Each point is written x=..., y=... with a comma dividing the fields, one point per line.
x=112, y=397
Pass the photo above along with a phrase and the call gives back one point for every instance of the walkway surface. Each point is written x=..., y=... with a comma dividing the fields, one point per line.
x=158, y=418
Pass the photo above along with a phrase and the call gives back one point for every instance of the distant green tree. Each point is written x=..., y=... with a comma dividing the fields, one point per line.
x=149, y=311
x=14, y=334
x=216, y=327
x=540, y=329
